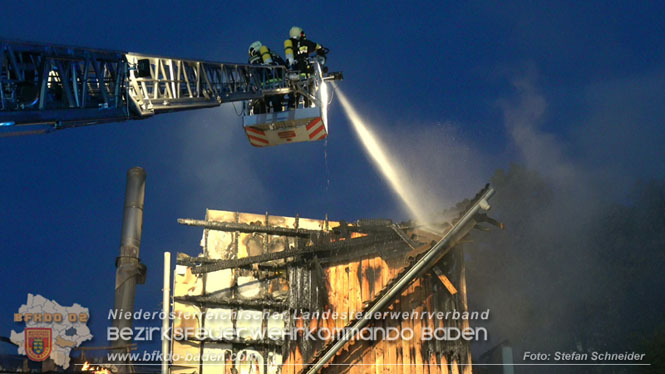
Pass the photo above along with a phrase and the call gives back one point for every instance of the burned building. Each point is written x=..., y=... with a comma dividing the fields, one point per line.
x=273, y=294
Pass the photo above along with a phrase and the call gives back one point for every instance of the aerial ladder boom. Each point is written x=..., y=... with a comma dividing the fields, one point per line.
x=46, y=87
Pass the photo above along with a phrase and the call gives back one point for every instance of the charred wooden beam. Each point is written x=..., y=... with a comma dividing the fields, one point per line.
x=209, y=300
x=438, y=274
x=321, y=282
x=398, y=230
x=208, y=265
x=388, y=250
x=368, y=226
x=242, y=227
x=268, y=343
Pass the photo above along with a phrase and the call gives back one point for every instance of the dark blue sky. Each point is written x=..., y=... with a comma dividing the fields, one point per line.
x=457, y=89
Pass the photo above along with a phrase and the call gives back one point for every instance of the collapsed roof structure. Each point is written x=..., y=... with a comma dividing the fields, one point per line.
x=262, y=277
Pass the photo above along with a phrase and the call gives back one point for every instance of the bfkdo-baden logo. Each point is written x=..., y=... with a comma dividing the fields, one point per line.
x=51, y=330
x=38, y=343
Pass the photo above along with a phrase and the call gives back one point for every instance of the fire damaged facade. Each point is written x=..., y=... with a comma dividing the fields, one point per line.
x=273, y=294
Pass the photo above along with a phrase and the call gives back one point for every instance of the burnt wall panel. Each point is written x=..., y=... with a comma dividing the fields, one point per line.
x=295, y=286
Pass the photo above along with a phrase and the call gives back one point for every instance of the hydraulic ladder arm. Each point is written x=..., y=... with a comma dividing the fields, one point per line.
x=47, y=87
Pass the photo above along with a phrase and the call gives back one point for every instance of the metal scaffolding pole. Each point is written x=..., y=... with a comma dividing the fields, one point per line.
x=166, y=304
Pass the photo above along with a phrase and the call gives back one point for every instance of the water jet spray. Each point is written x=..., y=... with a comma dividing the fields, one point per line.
x=388, y=167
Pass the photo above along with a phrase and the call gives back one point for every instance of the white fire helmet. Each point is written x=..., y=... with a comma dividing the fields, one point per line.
x=295, y=32
x=254, y=48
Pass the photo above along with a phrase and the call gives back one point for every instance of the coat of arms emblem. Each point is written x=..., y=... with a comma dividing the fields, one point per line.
x=38, y=343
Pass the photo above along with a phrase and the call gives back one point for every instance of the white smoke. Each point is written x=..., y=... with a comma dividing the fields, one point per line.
x=428, y=168
x=215, y=160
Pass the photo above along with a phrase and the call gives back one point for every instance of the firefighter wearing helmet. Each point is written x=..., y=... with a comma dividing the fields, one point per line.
x=297, y=48
x=260, y=54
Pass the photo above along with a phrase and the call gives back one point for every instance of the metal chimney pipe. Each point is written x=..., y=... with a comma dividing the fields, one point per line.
x=130, y=271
